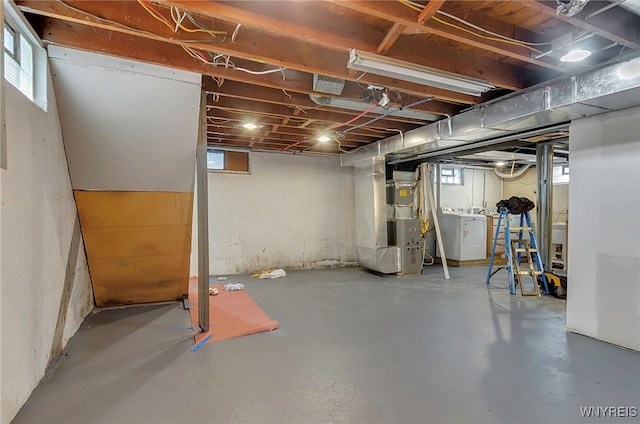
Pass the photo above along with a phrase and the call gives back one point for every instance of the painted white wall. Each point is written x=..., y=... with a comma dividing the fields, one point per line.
x=478, y=185
x=127, y=125
x=604, y=243
x=291, y=212
x=46, y=291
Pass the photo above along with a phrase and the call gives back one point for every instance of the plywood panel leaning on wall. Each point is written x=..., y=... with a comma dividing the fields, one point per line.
x=138, y=244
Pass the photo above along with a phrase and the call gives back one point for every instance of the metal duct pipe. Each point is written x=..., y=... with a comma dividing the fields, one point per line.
x=544, y=156
x=586, y=94
x=372, y=247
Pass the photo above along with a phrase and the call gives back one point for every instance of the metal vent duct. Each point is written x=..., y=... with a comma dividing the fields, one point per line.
x=590, y=93
x=372, y=247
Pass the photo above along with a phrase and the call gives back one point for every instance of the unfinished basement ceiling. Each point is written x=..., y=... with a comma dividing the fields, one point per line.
x=282, y=65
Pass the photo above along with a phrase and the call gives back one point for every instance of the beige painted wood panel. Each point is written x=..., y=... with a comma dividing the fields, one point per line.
x=122, y=242
x=133, y=208
x=144, y=279
x=138, y=244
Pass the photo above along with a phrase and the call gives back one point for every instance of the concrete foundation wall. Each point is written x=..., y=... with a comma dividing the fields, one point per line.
x=479, y=185
x=46, y=290
x=604, y=248
x=291, y=212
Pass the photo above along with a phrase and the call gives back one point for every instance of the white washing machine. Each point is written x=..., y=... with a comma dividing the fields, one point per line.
x=464, y=235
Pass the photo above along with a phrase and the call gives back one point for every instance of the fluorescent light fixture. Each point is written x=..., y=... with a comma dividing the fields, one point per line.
x=629, y=70
x=249, y=125
x=575, y=55
x=405, y=71
x=324, y=138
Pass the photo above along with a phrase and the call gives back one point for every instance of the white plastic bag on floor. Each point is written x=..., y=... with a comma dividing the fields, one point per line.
x=276, y=273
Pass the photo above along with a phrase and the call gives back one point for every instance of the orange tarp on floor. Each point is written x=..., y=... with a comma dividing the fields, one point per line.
x=231, y=314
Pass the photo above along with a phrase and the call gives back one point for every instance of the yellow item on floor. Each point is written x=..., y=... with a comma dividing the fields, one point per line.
x=262, y=273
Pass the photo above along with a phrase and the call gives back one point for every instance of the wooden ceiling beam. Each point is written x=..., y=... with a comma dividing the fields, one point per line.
x=271, y=138
x=327, y=117
x=390, y=38
x=285, y=131
x=506, y=76
x=229, y=119
x=298, y=20
x=293, y=100
x=429, y=10
x=610, y=25
x=351, y=92
x=151, y=51
x=276, y=51
x=396, y=12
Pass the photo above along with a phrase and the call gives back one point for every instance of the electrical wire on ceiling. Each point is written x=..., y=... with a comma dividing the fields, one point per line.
x=528, y=43
x=130, y=28
x=235, y=33
x=391, y=112
x=218, y=80
x=334, y=126
x=177, y=17
x=227, y=63
x=495, y=37
x=155, y=13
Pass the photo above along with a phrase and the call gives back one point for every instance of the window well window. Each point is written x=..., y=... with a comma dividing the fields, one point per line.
x=228, y=161
x=10, y=45
x=451, y=175
x=18, y=61
x=561, y=174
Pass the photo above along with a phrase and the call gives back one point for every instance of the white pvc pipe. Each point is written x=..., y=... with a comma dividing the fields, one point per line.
x=514, y=175
x=432, y=203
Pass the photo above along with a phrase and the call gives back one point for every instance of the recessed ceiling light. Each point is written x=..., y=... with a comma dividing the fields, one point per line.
x=629, y=70
x=575, y=55
x=324, y=138
x=249, y=126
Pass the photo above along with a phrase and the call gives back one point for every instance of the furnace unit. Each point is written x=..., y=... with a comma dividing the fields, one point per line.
x=403, y=229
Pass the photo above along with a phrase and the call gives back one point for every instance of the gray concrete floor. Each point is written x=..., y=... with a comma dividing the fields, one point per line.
x=353, y=347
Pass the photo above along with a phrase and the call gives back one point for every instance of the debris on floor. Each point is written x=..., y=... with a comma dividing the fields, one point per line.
x=270, y=273
x=222, y=278
x=233, y=286
x=213, y=291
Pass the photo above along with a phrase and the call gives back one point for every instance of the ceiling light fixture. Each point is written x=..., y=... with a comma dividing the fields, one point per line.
x=249, y=125
x=405, y=71
x=629, y=70
x=500, y=164
x=324, y=138
x=575, y=55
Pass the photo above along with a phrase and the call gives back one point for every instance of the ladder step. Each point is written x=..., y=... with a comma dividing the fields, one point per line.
x=530, y=273
x=524, y=250
x=519, y=229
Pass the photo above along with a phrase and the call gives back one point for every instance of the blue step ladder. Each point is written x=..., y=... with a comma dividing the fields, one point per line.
x=527, y=278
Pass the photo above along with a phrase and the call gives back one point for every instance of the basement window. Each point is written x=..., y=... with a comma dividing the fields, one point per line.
x=18, y=61
x=25, y=60
x=228, y=161
x=452, y=175
x=561, y=174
